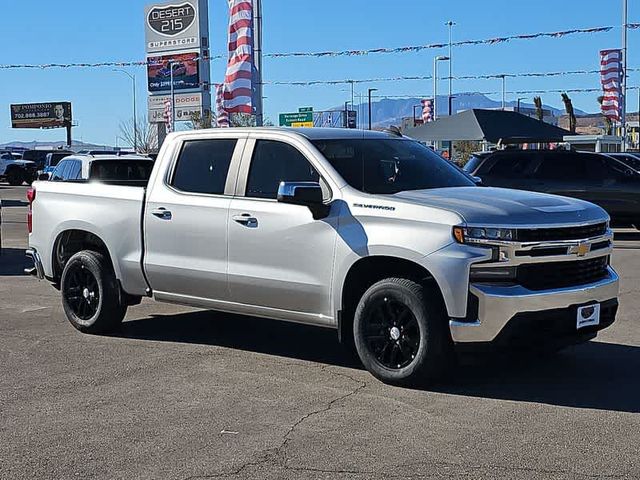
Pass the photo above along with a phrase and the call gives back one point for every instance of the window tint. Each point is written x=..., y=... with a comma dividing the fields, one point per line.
x=560, y=166
x=510, y=166
x=274, y=162
x=59, y=173
x=120, y=169
x=387, y=166
x=75, y=170
x=203, y=166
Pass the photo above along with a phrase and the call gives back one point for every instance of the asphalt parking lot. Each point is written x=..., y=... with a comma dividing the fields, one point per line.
x=189, y=394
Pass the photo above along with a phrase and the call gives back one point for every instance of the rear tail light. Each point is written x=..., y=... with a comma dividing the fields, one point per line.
x=31, y=196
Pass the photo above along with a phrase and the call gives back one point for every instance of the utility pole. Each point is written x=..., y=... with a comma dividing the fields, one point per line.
x=450, y=24
x=623, y=121
x=135, y=116
x=504, y=90
x=257, y=62
x=370, y=90
x=518, y=107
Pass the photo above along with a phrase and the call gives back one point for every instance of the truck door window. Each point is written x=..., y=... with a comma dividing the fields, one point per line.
x=203, y=165
x=274, y=162
x=509, y=166
x=561, y=166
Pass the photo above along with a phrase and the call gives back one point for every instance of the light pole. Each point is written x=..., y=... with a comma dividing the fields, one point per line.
x=518, y=107
x=623, y=121
x=504, y=89
x=414, y=113
x=173, y=98
x=437, y=59
x=450, y=24
x=369, y=94
x=135, y=116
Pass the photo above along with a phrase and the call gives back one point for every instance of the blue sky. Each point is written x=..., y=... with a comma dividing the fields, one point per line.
x=41, y=31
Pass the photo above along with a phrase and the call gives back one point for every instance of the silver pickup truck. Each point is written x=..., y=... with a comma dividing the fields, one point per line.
x=367, y=233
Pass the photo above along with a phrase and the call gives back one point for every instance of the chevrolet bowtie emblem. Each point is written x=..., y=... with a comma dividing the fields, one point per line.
x=581, y=249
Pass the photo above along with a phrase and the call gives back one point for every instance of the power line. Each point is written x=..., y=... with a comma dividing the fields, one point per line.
x=512, y=92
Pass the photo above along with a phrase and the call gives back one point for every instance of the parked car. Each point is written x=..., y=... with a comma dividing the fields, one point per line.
x=367, y=233
x=38, y=156
x=53, y=158
x=601, y=179
x=98, y=152
x=15, y=171
x=631, y=160
x=132, y=168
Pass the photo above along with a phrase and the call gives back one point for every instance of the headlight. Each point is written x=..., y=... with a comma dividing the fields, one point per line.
x=480, y=234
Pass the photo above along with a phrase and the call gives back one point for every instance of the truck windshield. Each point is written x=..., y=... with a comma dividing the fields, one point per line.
x=387, y=166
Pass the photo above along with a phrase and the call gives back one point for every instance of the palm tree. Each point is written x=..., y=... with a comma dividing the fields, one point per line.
x=608, y=124
x=568, y=106
x=537, y=101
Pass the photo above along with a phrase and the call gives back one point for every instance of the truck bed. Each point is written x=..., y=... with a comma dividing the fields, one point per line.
x=110, y=210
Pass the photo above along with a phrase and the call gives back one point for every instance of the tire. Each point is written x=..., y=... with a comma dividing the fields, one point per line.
x=401, y=333
x=15, y=177
x=90, y=294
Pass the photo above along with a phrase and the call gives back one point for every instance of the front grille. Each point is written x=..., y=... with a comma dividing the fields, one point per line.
x=564, y=233
x=544, y=276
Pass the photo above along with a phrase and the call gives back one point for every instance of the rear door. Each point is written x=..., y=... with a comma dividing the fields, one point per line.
x=185, y=220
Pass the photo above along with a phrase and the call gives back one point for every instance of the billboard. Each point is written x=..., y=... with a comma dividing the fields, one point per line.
x=41, y=115
x=186, y=72
x=187, y=104
x=172, y=26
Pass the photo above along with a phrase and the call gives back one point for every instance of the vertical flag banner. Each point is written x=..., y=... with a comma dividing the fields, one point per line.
x=222, y=117
x=168, y=114
x=427, y=110
x=238, y=88
x=611, y=80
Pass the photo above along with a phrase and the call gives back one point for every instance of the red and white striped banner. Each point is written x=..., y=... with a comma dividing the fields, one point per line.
x=167, y=115
x=611, y=80
x=222, y=117
x=238, y=88
x=427, y=110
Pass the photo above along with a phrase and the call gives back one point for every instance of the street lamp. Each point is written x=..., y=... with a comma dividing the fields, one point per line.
x=518, y=107
x=135, y=118
x=450, y=24
x=437, y=59
x=504, y=89
x=369, y=94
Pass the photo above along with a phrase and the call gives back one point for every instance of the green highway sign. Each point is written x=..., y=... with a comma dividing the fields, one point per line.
x=286, y=119
x=305, y=109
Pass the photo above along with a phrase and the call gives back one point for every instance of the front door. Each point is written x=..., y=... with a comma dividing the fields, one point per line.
x=185, y=222
x=279, y=256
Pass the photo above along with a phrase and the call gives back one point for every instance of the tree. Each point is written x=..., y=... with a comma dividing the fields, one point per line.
x=463, y=149
x=147, y=135
x=537, y=101
x=568, y=106
x=246, y=120
x=608, y=124
x=199, y=121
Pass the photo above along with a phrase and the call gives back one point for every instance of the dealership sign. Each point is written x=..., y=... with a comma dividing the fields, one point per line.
x=41, y=115
x=187, y=105
x=183, y=67
x=172, y=26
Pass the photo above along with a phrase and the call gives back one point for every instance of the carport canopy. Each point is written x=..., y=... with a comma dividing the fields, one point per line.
x=488, y=125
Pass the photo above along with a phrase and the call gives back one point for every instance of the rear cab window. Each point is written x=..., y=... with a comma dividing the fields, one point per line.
x=120, y=169
x=203, y=165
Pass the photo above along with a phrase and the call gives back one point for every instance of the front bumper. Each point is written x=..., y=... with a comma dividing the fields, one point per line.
x=499, y=307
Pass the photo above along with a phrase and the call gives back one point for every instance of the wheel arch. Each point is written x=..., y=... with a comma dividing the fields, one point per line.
x=73, y=240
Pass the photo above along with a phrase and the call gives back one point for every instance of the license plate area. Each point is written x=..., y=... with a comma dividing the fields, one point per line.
x=588, y=316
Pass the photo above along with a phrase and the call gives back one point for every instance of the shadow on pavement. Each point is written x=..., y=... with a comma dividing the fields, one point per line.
x=594, y=375
x=303, y=342
x=14, y=203
x=13, y=262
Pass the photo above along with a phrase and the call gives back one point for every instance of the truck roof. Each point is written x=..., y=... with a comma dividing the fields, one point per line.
x=309, y=133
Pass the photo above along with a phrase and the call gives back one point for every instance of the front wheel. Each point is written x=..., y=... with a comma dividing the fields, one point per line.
x=401, y=332
x=90, y=293
x=15, y=177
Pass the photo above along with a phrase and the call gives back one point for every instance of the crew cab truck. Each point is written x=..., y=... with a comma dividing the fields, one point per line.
x=368, y=233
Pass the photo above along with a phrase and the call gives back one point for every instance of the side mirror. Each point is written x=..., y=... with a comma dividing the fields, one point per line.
x=43, y=177
x=477, y=181
x=308, y=194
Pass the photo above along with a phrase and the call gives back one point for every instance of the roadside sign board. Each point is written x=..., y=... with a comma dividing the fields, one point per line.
x=172, y=26
x=305, y=109
x=302, y=124
x=187, y=104
x=288, y=119
x=41, y=115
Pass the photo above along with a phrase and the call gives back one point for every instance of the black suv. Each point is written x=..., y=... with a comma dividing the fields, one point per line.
x=597, y=178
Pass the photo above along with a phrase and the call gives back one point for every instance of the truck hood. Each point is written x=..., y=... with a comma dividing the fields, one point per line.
x=23, y=163
x=503, y=207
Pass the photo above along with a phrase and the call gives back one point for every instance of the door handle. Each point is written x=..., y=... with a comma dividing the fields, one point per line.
x=162, y=213
x=246, y=219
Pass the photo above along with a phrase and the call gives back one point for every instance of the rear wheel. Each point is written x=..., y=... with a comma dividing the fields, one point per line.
x=15, y=177
x=401, y=333
x=91, y=294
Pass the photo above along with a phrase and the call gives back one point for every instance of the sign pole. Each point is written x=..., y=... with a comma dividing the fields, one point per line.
x=623, y=121
x=257, y=62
